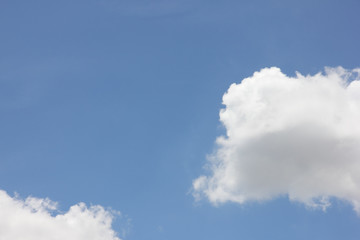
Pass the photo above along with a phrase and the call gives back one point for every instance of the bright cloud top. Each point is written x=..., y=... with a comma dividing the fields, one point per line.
x=32, y=219
x=296, y=136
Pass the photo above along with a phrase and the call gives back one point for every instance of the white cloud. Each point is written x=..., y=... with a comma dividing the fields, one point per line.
x=35, y=219
x=295, y=136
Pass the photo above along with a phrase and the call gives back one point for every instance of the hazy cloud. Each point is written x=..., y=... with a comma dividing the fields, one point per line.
x=154, y=8
x=38, y=219
x=296, y=136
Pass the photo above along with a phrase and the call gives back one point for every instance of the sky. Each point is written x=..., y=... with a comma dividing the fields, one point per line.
x=169, y=119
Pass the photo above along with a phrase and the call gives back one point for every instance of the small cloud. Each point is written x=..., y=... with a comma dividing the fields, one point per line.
x=296, y=136
x=160, y=229
x=37, y=219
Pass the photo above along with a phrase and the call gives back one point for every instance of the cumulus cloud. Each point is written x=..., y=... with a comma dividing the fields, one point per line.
x=36, y=219
x=288, y=136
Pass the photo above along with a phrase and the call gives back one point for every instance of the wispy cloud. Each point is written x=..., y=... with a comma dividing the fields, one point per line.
x=156, y=8
x=296, y=136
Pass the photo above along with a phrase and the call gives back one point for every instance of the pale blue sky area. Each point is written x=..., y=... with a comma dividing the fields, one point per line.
x=116, y=103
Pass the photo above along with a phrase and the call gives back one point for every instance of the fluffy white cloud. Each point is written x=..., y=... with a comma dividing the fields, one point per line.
x=295, y=136
x=34, y=219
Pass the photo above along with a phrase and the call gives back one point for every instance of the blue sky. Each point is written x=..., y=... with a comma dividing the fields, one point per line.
x=117, y=103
